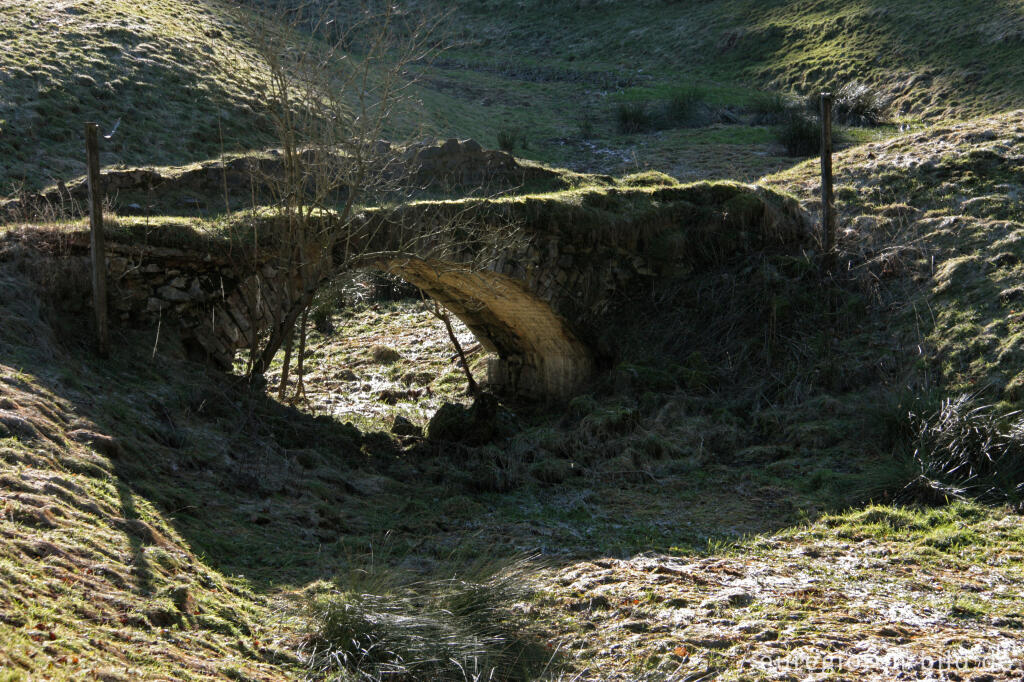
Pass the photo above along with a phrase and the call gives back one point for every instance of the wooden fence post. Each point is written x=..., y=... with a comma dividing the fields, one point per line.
x=96, y=241
x=828, y=205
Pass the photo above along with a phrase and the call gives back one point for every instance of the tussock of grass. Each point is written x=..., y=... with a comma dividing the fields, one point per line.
x=800, y=133
x=976, y=447
x=389, y=626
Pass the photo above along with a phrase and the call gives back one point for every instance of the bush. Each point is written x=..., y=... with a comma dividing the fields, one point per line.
x=685, y=107
x=385, y=356
x=966, y=447
x=854, y=104
x=800, y=134
x=390, y=626
x=769, y=108
x=633, y=117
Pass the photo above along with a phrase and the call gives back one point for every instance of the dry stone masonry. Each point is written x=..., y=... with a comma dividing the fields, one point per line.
x=542, y=303
x=204, y=187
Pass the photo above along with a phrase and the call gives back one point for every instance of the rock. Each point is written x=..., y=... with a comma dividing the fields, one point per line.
x=404, y=427
x=169, y=293
x=598, y=603
x=450, y=423
x=428, y=153
x=729, y=599
x=475, y=425
x=183, y=601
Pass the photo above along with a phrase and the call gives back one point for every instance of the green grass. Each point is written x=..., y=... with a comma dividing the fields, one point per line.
x=179, y=76
x=183, y=78
x=942, y=236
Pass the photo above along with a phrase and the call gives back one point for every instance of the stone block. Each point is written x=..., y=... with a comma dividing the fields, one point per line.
x=173, y=294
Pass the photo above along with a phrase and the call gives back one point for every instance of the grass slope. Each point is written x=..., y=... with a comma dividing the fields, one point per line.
x=181, y=77
x=936, y=59
x=95, y=581
x=932, y=223
x=178, y=75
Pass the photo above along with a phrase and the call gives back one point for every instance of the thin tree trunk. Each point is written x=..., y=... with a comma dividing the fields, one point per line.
x=300, y=386
x=473, y=389
x=278, y=335
x=289, y=339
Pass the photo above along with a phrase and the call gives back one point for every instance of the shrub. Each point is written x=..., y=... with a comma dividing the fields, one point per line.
x=633, y=117
x=769, y=108
x=384, y=355
x=800, y=134
x=854, y=104
x=385, y=625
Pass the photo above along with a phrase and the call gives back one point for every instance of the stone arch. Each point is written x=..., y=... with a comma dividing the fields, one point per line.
x=539, y=355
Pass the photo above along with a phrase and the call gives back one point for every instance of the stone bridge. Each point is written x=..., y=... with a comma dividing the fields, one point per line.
x=542, y=296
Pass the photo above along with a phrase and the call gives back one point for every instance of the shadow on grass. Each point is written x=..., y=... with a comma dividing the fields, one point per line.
x=282, y=497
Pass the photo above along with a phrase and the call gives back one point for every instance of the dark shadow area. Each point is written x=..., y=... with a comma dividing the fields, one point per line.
x=265, y=490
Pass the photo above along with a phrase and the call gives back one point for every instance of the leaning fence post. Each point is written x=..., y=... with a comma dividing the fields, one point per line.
x=96, y=241
x=828, y=206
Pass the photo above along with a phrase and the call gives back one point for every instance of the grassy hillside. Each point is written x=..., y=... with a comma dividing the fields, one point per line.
x=548, y=78
x=932, y=222
x=936, y=58
x=178, y=75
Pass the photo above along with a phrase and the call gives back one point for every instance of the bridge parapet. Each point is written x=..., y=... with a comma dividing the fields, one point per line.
x=543, y=300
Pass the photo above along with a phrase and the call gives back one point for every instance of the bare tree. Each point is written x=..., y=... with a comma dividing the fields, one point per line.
x=332, y=82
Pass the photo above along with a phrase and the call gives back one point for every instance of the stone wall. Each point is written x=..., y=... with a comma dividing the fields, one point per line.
x=205, y=187
x=542, y=296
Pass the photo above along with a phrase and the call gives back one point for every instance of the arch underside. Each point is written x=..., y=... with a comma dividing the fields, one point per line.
x=538, y=354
